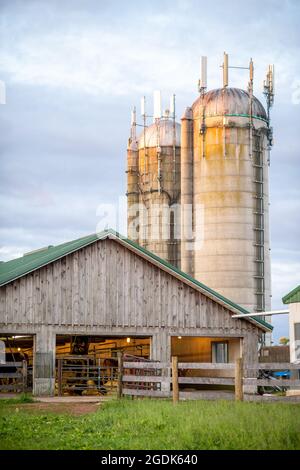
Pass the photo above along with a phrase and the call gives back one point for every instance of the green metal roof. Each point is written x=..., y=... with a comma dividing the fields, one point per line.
x=292, y=297
x=16, y=268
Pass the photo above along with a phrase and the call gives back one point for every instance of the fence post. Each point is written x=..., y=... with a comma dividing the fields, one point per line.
x=175, y=379
x=120, y=374
x=59, y=377
x=239, y=395
x=24, y=376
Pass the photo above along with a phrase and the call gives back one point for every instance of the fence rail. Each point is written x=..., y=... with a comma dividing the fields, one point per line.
x=83, y=375
x=14, y=377
x=154, y=379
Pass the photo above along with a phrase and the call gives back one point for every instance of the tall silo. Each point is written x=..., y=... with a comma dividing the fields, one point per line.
x=133, y=193
x=229, y=148
x=157, y=179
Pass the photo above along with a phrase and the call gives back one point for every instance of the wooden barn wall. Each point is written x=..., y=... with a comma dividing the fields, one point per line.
x=105, y=287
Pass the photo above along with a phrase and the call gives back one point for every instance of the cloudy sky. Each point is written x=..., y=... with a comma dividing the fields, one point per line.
x=73, y=69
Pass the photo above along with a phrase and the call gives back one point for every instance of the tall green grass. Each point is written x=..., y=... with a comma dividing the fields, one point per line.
x=153, y=424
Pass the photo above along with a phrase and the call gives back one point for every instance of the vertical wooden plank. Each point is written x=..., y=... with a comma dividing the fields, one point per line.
x=82, y=286
x=64, y=319
x=112, y=284
x=75, y=288
x=159, y=303
x=36, y=295
x=3, y=313
x=101, y=285
x=239, y=396
x=86, y=257
x=126, y=288
x=96, y=282
x=49, y=319
x=198, y=310
x=108, y=289
x=175, y=388
x=120, y=286
x=43, y=310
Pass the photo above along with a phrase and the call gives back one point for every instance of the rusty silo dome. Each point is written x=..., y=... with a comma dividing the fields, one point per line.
x=229, y=101
x=166, y=134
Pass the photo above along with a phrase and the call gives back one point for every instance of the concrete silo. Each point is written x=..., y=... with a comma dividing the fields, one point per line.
x=224, y=161
x=154, y=184
x=217, y=168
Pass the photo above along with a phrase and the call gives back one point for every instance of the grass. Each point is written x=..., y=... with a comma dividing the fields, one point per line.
x=23, y=398
x=153, y=424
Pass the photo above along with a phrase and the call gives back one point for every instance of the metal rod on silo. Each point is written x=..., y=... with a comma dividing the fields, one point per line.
x=250, y=90
x=187, y=259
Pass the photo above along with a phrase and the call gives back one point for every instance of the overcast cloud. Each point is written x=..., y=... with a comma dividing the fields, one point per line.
x=73, y=69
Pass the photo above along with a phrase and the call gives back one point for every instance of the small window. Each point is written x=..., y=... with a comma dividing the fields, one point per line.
x=219, y=351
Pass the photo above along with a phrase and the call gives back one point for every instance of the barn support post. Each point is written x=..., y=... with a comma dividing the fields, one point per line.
x=44, y=362
x=120, y=375
x=239, y=395
x=249, y=353
x=175, y=388
x=161, y=352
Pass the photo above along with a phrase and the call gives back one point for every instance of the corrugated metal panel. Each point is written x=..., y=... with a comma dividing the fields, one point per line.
x=292, y=297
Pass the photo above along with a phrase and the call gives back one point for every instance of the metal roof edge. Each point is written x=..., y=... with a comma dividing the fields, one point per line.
x=100, y=236
x=290, y=294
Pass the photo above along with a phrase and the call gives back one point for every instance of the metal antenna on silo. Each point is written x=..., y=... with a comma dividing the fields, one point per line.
x=225, y=66
x=250, y=91
x=133, y=125
x=202, y=83
x=269, y=92
x=225, y=70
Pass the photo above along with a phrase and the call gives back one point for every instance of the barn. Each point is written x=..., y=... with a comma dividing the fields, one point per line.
x=103, y=293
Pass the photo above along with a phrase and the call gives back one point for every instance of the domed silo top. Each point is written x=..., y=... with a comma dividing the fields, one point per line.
x=230, y=102
x=161, y=134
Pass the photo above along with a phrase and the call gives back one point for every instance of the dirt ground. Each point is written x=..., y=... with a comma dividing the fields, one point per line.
x=74, y=409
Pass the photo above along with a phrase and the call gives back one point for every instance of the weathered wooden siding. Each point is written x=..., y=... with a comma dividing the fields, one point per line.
x=105, y=285
x=108, y=289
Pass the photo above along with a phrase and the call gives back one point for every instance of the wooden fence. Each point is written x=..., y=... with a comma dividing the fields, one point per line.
x=163, y=380
x=13, y=377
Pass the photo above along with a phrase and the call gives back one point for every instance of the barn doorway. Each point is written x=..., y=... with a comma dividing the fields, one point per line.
x=207, y=350
x=87, y=365
x=16, y=363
